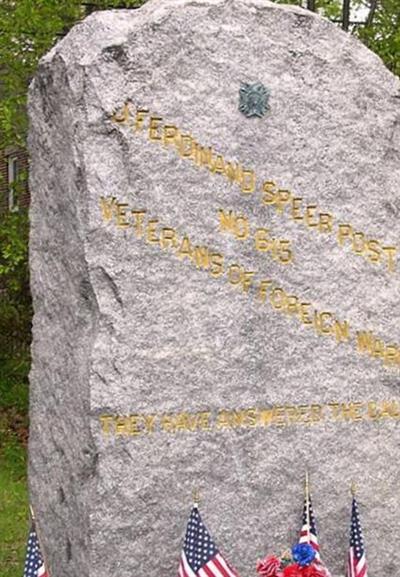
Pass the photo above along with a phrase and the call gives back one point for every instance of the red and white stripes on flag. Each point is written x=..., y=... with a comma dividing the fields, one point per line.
x=308, y=533
x=200, y=556
x=216, y=567
x=356, y=568
x=356, y=561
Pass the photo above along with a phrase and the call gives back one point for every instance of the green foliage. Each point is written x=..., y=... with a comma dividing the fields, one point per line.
x=13, y=505
x=27, y=30
x=14, y=252
x=383, y=34
x=14, y=386
x=13, y=483
x=15, y=301
x=331, y=9
x=108, y=4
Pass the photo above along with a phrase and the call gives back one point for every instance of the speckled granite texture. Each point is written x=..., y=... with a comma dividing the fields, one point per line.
x=123, y=326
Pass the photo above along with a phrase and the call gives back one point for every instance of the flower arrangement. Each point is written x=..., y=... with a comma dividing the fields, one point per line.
x=300, y=562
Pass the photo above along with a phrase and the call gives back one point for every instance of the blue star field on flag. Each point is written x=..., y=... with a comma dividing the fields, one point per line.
x=34, y=564
x=357, y=565
x=199, y=547
x=200, y=556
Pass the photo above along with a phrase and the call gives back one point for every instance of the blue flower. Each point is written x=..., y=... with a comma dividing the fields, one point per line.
x=303, y=554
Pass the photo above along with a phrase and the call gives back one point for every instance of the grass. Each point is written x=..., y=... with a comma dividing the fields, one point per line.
x=13, y=482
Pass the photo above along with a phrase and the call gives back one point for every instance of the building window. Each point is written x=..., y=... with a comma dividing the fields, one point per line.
x=12, y=183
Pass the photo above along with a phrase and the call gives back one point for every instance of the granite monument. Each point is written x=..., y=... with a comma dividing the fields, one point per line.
x=215, y=277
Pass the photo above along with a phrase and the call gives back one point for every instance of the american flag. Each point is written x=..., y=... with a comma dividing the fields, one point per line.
x=34, y=563
x=200, y=557
x=308, y=533
x=356, y=564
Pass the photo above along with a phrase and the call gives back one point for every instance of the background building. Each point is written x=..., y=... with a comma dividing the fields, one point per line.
x=13, y=182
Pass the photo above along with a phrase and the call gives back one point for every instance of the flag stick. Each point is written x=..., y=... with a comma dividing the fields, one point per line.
x=34, y=522
x=353, y=488
x=307, y=497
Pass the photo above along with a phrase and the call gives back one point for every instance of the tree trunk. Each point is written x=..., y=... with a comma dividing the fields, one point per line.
x=346, y=15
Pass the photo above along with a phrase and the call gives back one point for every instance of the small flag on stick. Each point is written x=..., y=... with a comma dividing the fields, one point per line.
x=308, y=533
x=34, y=562
x=200, y=556
x=356, y=563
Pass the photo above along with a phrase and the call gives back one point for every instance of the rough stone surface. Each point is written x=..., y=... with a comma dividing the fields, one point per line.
x=123, y=327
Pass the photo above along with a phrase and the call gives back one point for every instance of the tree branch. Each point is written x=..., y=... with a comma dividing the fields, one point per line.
x=372, y=9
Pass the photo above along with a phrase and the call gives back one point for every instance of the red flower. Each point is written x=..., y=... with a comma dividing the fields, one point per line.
x=269, y=567
x=293, y=570
x=312, y=570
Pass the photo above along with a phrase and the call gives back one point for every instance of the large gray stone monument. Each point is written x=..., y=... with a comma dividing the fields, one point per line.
x=215, y=274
